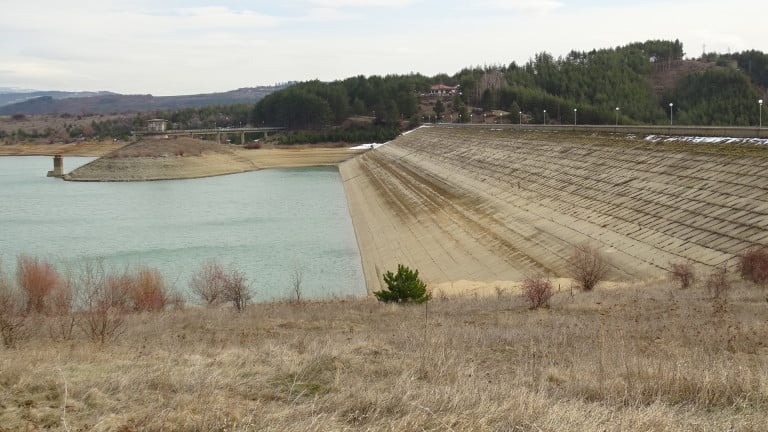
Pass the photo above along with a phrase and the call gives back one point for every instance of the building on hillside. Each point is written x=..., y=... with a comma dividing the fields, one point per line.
x=157, y=125
x=443, y=90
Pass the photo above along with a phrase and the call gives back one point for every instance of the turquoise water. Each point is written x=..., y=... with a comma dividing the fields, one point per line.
x=264, y=223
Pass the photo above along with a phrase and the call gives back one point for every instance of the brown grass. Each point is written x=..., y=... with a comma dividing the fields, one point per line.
x=645, y=357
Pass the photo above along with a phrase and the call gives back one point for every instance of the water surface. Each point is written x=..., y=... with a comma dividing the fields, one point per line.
x=264, y=223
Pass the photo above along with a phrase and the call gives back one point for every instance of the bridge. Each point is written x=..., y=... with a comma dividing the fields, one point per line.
x=213, y=131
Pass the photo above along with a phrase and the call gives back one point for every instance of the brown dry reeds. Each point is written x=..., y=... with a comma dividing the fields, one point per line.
x=37, y=278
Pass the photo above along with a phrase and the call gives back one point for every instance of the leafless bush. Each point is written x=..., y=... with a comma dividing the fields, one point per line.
x=717, y=282
x=104, y=302
x=13, y=315
x=297, y=277
x=208, y=283
x=147, y=290
x=682, y=274
x=59, y=304
x=588, y=266
x=753, y=265
x=37, y=279
x=236, y=290
x=537, y=290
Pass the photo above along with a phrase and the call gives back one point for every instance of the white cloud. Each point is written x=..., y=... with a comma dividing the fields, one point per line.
x=360, y=3
x=151, y=47
x=528, y=6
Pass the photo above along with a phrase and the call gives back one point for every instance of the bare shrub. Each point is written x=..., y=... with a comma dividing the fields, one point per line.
x=297, y=277
x=588, y=266
x=537, y=290
x=252, y=146
x=147, y=290
x=13, y=315
x=682, y=274
x=717, y=282
x=37, y=279
x=753, y=265
x=208, y=283
x=59, y=304
x=236, y=290
x=104, y=301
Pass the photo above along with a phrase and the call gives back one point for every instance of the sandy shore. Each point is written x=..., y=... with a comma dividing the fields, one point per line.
x=186, y=158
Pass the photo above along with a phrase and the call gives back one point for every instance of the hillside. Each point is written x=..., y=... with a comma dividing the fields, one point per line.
x=106, y=103
x=630, y=84
x=497, y=205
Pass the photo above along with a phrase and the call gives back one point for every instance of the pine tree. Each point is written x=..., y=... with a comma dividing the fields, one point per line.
x=403, y=287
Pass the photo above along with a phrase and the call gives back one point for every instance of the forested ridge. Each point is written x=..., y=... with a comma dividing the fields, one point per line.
x=716, y=89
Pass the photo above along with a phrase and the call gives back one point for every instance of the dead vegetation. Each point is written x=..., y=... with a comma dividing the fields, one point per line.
x=642, y=357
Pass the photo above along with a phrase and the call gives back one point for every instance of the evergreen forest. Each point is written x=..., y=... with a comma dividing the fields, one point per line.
x=641, y=79
x=631, y=84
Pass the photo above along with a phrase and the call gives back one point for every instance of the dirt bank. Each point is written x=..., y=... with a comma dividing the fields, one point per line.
x=189, y=158
x=493, y=206
x=83, y=148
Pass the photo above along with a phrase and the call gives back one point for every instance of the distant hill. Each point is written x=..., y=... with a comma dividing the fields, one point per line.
x=10, y=96
x=53, y=102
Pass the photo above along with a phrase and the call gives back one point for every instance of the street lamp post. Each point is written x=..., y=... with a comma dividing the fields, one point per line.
x=671, y=107
x=617, y=115
x=545, y=116
x=574, y=116
x=760, y=125
x=521, y=118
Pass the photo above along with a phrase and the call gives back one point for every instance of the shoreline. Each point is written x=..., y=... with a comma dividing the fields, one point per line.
x=172, y=160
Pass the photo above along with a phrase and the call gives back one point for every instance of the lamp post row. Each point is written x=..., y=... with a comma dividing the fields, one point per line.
x=671, y=114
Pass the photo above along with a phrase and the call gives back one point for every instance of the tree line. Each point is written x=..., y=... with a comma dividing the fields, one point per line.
x=723, y=92
x=723, y=89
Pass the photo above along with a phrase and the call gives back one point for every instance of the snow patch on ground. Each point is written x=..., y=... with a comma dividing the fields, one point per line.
x=377, y=145
x=367, y=146
x=706, y=140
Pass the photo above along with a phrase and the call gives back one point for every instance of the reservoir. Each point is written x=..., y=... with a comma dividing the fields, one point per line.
x=265, y=224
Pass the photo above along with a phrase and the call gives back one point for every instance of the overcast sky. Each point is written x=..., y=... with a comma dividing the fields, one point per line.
x=198, y=46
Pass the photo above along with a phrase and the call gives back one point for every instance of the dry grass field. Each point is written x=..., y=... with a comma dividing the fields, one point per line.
x=642, y=357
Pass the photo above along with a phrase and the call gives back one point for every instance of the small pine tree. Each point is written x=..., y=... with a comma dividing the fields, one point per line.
x=403, y=287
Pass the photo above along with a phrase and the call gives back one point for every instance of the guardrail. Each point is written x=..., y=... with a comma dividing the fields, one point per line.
x=704, y=131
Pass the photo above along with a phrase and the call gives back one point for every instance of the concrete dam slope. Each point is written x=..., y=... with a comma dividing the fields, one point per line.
x=496, y=205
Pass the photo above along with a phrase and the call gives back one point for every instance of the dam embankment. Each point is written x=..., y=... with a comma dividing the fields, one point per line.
x=489, y=205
